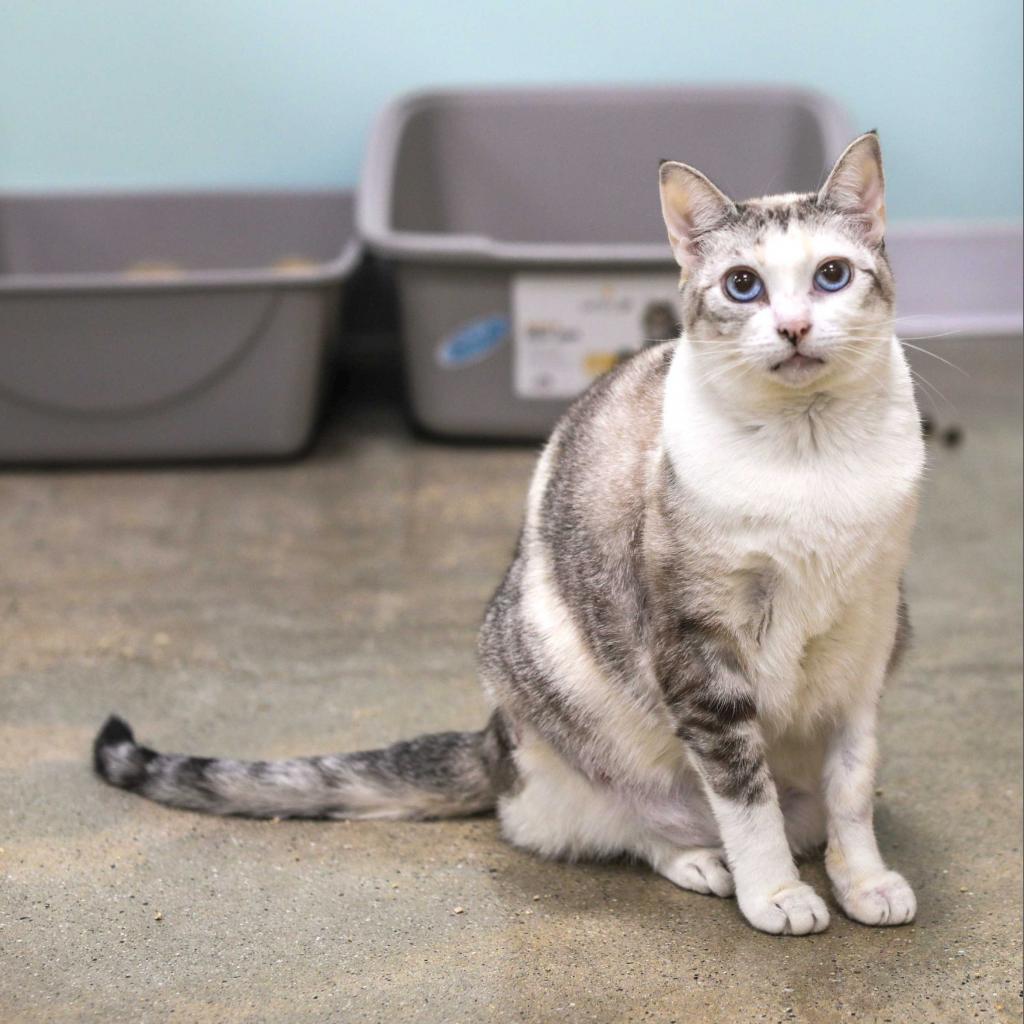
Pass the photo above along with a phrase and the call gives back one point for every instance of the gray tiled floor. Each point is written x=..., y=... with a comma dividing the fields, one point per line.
x=332, y=604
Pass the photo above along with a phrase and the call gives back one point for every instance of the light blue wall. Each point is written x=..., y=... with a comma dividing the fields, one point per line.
x=145, y=93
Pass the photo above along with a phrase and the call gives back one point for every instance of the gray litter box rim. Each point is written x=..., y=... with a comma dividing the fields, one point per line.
x=949, y=235
x=379, y=166
x=330, y=272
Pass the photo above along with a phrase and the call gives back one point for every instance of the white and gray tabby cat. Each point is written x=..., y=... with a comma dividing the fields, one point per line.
x=686, y=655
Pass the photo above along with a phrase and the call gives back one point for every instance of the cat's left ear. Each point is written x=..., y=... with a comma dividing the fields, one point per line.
x=692, y=207
x=856, y=186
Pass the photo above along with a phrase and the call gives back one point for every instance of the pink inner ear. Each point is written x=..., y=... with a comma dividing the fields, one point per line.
x=872, y=193
x=679, y=217
x=872, y=202
x=691, y=206
x=859, y=189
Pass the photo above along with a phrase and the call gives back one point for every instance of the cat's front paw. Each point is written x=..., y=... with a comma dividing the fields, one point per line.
x=793, y=909
x=881, y=899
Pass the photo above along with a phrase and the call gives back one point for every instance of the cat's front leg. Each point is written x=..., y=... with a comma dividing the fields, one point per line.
x=717, y=720
x=865, y=888
x=769, y=891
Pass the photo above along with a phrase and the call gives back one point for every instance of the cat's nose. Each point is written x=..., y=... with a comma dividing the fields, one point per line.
x=793, y=328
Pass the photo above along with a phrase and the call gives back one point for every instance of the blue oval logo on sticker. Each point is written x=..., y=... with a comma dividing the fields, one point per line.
x=472, y=342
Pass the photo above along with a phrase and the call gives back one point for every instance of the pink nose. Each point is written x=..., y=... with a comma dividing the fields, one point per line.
x=793, y=328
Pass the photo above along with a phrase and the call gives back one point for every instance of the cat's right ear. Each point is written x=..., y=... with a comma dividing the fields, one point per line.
x=856, y=186
x=692, y=207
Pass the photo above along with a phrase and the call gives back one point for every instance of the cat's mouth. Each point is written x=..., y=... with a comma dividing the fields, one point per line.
x=798, y=361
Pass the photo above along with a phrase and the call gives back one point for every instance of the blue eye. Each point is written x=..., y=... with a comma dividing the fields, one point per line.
x=742, y=285
x=833, y=275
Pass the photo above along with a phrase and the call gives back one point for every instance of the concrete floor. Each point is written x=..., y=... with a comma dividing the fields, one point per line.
x=332, y=604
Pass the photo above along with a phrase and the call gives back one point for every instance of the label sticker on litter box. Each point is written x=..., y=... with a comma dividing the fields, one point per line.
x=570, y=328
x=472, y=342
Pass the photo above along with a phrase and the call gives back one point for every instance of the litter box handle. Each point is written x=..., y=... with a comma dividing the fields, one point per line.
x=52, y=381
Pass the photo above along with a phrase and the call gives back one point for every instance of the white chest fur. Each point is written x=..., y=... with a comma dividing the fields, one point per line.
x=819, y=506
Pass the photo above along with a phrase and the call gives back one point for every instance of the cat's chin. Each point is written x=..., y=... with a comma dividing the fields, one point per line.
x=798, y=370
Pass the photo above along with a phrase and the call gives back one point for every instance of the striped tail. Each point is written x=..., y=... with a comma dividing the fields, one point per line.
x=442, y=775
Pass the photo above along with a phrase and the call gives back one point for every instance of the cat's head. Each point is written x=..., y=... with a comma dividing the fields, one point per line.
x=789, y=293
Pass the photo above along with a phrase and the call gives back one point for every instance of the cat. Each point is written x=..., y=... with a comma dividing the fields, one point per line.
x=685, y=657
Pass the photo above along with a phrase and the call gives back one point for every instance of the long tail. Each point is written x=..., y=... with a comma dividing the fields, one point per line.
x=442, y=775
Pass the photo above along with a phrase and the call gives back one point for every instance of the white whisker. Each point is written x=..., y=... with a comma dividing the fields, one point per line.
x=917, y=348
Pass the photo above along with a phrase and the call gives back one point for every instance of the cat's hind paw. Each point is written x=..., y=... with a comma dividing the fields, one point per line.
x=795, y=909
x=700, y=870
x=881, y=900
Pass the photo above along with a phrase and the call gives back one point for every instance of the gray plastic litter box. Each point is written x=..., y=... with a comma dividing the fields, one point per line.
x=525, y=232
x=166, y=326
